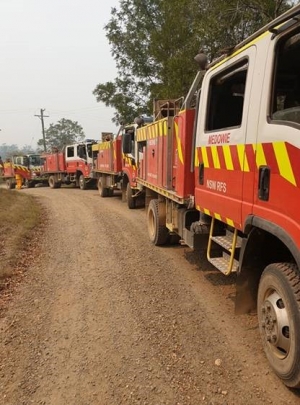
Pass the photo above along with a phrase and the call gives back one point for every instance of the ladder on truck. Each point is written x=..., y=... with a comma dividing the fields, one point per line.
x=228, y=245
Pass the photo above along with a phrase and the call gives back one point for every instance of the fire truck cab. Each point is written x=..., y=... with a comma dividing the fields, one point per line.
x=72, y=165
x=24, y=168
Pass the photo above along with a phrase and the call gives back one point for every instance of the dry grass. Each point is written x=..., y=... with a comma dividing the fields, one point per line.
x=20, y=215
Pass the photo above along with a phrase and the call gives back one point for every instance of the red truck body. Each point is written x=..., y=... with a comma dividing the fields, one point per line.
x=165, y=161
x=220, y=170
x=113, y=169
x=73, y=165
x=23, y=170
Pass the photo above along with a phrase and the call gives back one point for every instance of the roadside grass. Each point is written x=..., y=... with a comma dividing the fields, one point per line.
x=20, y=215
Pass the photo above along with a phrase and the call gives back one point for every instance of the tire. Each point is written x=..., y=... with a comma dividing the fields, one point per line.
x=82, y=182
x=278, y=308
x=103, y=191
x=156, y=218
x=51, y=181
x=174, y=239
x=10, y=184
x=131, y=202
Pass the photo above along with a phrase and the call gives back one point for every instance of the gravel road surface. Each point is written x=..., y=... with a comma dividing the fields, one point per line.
x=103, y=317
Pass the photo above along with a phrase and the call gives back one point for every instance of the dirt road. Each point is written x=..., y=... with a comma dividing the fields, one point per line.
x=105, y=318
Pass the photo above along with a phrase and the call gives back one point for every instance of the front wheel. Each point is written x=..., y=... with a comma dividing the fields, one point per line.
x=278, y=309
x=82, y=182
x=129, y=197
x=158, y=232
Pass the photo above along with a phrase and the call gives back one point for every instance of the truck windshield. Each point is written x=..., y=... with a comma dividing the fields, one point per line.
x=35, y=160
x=286, y=93
x=89, y=149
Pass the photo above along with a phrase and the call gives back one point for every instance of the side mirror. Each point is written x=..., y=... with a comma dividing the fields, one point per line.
x=127, y=143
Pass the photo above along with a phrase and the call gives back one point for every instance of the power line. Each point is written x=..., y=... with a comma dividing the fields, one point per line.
x=42, y=116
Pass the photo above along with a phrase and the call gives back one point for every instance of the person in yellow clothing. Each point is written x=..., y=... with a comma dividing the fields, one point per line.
x=18, y=178
x=1, y=166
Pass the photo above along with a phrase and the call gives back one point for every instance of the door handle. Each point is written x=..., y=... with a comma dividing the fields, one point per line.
x=264, y=183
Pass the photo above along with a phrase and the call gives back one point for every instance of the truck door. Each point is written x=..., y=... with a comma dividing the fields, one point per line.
x=277, y=191
x=221, y=160
x=71, y=158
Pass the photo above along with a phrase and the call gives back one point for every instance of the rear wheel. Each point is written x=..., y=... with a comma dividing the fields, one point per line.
x=131, y=201
x=82, y=182
x=156, y=217
x=53, y=183
x=278, y=310
x=103, y=191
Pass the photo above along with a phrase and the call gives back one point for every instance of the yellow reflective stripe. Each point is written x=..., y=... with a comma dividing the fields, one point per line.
x=230, y=222
x=227, y=157
x=218, y=216
x=206, y=211
x=283, y=162
x=260, y=155
x=215, y=156
x=160, y=127
x=179, y=150
x=241, y=49
x=196, y=159
x=204, y=155
x=243, y=158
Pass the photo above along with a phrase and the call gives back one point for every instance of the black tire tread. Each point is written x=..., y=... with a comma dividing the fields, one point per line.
x=291, y=274
x=162, y=233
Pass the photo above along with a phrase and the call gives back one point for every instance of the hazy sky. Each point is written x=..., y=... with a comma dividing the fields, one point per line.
x=53, y=54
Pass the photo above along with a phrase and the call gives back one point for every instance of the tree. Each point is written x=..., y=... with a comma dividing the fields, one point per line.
x=63, y=133
x=154, y=43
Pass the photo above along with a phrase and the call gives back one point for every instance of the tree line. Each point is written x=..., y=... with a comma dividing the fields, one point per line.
x=154, y=42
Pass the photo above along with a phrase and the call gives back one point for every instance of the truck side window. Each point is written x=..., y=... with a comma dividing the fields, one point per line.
x=285, y=104
x=70, y=151
x=81, y=152
x=226, y=98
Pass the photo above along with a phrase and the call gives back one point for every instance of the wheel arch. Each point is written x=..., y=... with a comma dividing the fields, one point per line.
x=79, y=173
x=265, y=243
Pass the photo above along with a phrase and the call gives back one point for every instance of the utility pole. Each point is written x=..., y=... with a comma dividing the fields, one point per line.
x=42, y=116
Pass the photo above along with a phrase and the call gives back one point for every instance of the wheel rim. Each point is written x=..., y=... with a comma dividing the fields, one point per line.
x=81, y=182
x=275, y=324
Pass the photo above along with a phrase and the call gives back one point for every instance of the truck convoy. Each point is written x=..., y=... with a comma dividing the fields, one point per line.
x=222, y=171
x=23, y=170
x=72, y=165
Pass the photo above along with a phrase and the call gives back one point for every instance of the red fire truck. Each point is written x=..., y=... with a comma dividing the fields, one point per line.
x=23, y=170
x=72, y=165
x=222, y=171
x=114, y=170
